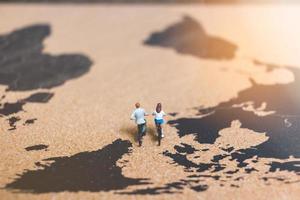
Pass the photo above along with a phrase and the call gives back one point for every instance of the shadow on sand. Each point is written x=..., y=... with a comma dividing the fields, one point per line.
x=131, y=132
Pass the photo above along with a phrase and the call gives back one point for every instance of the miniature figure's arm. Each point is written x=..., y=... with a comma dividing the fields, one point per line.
x=132, y=117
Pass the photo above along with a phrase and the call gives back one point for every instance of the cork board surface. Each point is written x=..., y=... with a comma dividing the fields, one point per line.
x=226, y=75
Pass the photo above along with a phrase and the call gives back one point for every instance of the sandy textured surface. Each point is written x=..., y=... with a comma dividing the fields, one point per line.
x=92, y=110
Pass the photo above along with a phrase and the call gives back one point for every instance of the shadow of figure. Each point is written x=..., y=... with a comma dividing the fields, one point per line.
x=24, y=66
x=86, y=171
x=189, y=37
x=152, y=133
x=132, y=133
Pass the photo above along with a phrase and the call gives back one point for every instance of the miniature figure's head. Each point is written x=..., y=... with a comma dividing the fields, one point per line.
x=158, y=107
x=137, y=105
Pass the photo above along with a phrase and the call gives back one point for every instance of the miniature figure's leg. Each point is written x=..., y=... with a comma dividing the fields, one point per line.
x=140, y=133
x=159, y=134
x=162, y=131
x=144, y=129
x=156, y=125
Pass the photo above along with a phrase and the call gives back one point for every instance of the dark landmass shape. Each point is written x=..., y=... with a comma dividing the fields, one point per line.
x=170, y=188
x=282, y=129
x=185, y=148
x=24, y=65
x=30, y=121
x=40, y=97
x=86, y=171
x=173, y=114
x=292, y=166
x=189, y=37
x=12, y=122
x=37, y=147
x=13, y=108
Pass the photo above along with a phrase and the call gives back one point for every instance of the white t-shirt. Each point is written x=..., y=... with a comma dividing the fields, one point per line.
x=139, y=116
x=159, y=115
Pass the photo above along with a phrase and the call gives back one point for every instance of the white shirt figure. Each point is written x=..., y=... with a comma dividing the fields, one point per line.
x=139, y=116
x=159, y=115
